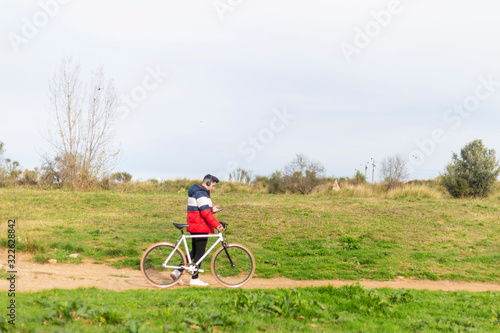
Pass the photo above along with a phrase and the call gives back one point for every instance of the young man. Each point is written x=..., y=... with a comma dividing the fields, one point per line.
x=201, y=220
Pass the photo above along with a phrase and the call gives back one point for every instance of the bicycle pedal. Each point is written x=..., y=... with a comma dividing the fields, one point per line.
x=201, y=271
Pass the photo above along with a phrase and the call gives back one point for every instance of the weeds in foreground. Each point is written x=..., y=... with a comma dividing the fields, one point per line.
x=349, y=308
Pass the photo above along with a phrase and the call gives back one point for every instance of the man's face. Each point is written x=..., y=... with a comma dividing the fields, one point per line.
x=211, y=187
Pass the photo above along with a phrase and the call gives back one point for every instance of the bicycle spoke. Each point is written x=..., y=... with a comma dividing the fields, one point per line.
x=152, y=265
x=239, y=272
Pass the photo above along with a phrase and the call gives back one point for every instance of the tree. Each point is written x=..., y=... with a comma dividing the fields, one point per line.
x=241, y=175
x=302, y=175
x=9, y=170
x=81, y=133
x=3, y=172
x=359, y=177
x=13, y=168
x=474, y=172
x=394, y=170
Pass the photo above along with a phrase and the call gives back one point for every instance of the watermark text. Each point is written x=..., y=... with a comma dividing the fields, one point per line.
x=39, y=20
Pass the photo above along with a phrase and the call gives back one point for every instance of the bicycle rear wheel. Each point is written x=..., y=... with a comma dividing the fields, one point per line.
x=233, y=268
x=157, y=270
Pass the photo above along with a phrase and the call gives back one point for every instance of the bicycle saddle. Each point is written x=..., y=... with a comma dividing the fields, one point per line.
x=180, y=225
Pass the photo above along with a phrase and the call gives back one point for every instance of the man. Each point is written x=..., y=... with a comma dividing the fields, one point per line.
x=201, y=220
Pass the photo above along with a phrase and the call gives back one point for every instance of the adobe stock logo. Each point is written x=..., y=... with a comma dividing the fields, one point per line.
x=140, y=92
x=253, y=144
x=363, y=37
x=31, y=27
x=454, y=118
x=224, y=6
x=265, y=136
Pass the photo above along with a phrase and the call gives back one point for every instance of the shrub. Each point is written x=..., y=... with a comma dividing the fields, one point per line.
x=29, y=177
x=121, y=177
x=276, y=184
x=359, y=178
x=457, y=188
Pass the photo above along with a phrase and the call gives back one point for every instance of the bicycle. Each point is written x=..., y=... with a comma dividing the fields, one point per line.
x=232, y=264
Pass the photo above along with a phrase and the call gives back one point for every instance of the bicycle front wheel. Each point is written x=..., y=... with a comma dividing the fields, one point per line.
x=159, y=262
x=233, y=266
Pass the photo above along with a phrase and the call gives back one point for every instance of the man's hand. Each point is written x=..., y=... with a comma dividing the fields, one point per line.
x=220, y=228
x=216, y=209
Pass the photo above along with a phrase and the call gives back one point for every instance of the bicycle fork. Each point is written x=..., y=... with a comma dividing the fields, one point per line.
x=228, y=256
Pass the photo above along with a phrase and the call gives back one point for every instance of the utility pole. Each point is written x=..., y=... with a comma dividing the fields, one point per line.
x=366, y=167
x=373, y=169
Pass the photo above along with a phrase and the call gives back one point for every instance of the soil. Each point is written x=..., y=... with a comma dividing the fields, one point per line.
x=33, y=277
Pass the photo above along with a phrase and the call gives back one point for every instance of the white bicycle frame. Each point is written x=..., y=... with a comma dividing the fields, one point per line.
x=189, y=260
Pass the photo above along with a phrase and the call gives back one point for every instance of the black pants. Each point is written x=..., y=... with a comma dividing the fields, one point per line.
x=199, y=246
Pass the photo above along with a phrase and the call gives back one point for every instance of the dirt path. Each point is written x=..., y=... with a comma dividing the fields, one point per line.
x=35, y=277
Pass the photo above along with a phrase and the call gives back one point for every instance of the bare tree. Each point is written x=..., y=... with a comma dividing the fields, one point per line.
x=302, y=175
x=394, y=170
x=241, y=175
x=82, y=129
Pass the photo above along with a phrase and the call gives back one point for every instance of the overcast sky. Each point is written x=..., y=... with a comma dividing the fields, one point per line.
x=206, y=86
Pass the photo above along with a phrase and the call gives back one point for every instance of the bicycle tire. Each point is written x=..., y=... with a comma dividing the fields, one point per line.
x=233, y=277
x=152, y=269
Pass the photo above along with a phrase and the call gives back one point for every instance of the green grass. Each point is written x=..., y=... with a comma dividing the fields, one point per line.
x=294, y=236
x=325, y=309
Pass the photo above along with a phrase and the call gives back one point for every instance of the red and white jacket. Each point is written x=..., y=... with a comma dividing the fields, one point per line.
x=200, y=216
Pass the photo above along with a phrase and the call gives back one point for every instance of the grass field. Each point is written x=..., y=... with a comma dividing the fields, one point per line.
x=299, y=237
x=294, y=236
x=324, y=309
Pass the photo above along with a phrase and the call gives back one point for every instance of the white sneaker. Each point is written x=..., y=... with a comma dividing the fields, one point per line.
x=198, y=283
x=175, y=275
